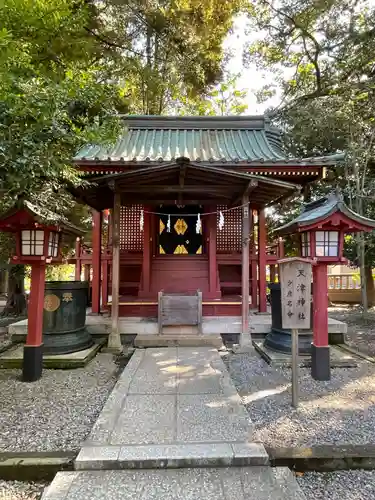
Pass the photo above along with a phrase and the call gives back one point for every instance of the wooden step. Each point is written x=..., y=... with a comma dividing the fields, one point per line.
x=174, y=274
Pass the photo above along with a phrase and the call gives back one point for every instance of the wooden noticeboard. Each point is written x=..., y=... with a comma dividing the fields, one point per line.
x=180, y=310
x=295, y=281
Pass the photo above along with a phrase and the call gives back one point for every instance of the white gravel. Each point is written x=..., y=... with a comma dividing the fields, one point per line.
x=340, y=411
x=361, y=333
x=341, y=485
x=17, y=490
x=5, y=340
x=58, y=411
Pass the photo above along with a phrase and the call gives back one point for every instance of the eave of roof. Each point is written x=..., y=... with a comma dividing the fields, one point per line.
x=43, y=216
x=320, y=210
x=162, y=184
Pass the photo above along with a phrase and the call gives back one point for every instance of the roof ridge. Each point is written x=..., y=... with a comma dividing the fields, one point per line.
x=247, y=122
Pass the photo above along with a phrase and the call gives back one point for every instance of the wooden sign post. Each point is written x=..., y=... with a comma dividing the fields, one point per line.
x=295, y=282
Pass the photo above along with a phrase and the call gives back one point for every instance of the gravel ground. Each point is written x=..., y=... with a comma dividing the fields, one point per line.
x=17, y=490
x=340, y=411
x=4, y=342
x=342, y=485
x=361, y=331
x=58, y=411
x=4, y=337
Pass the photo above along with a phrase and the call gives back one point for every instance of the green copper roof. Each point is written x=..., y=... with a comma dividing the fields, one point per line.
x=319, y=210
x=198, y=138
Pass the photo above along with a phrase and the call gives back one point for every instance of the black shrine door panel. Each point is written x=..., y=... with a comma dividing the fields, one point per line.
x=181, y=237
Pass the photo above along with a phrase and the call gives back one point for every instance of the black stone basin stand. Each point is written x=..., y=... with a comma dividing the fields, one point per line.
x=64, y=317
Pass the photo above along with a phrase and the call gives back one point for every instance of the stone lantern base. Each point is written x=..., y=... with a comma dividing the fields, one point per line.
x=280, y=340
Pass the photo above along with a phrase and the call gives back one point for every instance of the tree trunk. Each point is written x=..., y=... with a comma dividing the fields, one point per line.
x=362, y=269
x=3, y=282
x=370, y=286
x=16, y=302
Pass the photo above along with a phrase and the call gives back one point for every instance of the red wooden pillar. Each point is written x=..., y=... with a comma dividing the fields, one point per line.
x=78, y=266
x=320, y=359
x=96, y=260
x=105, y=282
x=33, y=349
x=212, y=253
x=146, y=264
x=254, y=267
x=262, y=243
x=154, y=224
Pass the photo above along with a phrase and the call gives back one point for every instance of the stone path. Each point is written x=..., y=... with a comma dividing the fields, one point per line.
x=177, y=409
x=171, y=407
x=236, y=483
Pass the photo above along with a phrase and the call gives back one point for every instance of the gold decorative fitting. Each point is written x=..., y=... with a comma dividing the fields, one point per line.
x=180, y=226
x=67, y=297
x=180, y=249
x=51, y=302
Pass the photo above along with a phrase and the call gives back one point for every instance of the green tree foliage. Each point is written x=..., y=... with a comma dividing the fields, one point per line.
x=325, y=46
x=167, y=51
x=69, y=67
x=50, y=101
x=322, y=56
x=224, y=99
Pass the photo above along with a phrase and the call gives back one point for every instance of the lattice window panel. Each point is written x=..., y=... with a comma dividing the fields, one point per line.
x=229, y=238
x=131, y=236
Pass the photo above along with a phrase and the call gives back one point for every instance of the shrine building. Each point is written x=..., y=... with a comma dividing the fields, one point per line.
x=187, y=199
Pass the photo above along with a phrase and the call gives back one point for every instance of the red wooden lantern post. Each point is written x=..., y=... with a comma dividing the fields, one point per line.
x=96, y=260
x=322, y=225
x=38, y=239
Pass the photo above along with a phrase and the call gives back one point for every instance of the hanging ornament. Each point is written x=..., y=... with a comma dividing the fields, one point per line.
x=169, y=224
x=198, y=225
x=221, y=220
x=141, y=221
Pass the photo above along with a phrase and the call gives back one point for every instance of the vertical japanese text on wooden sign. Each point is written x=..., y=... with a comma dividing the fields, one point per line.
x=295, y=282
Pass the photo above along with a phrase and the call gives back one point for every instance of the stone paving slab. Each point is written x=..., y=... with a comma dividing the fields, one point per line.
x=206, y=418
x=156, y=373
x=240, y=483
x=171, y=456
x=146, y=419
x=176, y=406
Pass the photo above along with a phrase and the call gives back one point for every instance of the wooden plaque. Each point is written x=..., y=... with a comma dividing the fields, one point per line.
x=295, y=282
x=180, y=310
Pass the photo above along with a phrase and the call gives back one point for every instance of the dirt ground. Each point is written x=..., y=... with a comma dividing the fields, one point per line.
x=361, y=329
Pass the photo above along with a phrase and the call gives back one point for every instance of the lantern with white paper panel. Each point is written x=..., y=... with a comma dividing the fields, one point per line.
x=322, y=243
x=321, y=227
x=38, y=234
x=39, y=242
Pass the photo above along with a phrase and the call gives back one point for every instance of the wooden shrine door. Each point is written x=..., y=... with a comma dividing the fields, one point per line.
x=178, y=230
